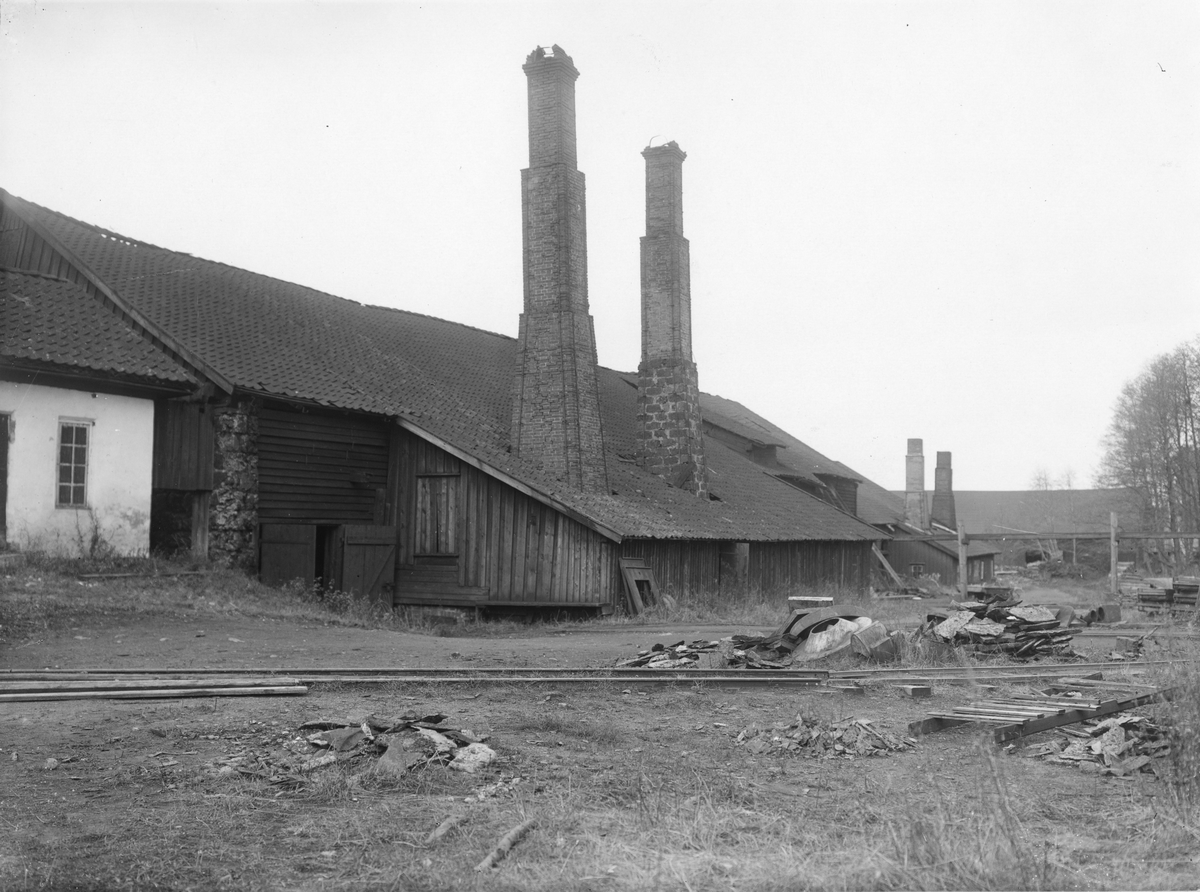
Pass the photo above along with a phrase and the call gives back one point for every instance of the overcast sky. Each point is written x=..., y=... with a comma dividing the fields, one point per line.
x=966, y=222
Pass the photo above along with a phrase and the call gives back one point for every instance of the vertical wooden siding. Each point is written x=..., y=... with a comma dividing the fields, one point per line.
x=512, y=545
x=22, y=248
x=183, y=446
x=902, y=553
x=784, y=566
x=683, y=569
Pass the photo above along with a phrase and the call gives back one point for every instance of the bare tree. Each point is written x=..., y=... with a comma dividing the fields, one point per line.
x=1153, y=448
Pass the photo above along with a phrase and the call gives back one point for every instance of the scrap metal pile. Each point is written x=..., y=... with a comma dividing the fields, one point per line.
x=818, y=738
x=805, y=635
x=998, y=624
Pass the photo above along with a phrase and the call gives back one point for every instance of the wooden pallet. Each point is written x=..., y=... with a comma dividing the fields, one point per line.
x=1014, y=717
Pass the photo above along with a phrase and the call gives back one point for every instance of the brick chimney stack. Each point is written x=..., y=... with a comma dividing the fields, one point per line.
x=914, y=486
x=943, y=493
x=670, y=427
x=556, y=401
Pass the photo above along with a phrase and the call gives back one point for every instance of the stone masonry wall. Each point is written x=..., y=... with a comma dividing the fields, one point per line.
x=556, y=396
x=233, y=518
x=670, y=425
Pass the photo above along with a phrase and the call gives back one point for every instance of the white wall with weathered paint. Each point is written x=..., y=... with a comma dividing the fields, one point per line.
x=120, y=456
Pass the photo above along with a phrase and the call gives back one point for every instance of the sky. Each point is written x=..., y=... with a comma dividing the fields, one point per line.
x=970, y=223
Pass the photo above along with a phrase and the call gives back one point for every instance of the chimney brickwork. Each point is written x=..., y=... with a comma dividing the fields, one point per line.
x=914, y=486
x=670, y=426
x=556, y=400
x=943, y=493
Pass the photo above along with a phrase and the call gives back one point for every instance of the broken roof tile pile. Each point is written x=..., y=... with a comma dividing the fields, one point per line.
x=272, y=338
x=1118, y=746
x=821, y=739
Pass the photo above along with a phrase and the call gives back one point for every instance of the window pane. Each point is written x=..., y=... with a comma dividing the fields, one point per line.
x=64, y=495
x=68, y=434
x=81, y=455
x=79, y=478
x=77, y=496
x=64, y=474
x=64, y=454
x=81, y=435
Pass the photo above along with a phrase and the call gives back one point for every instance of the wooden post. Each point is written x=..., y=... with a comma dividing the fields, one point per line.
x=1113, y=588
x=200, y=517
x=962, y=561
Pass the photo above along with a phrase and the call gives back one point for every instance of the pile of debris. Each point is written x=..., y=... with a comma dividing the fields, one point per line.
x=1122, y=745
x=394, y=745
x=817, y=738
x=806, y=634
x=674, y=656
x=998, y=624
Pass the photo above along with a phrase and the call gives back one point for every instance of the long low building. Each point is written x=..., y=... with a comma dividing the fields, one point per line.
x=413, y=459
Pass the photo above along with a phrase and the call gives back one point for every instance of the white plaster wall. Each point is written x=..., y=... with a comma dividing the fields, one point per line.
x=119, y=467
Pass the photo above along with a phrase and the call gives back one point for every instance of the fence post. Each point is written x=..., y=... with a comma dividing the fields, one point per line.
x=1113, y=589
x=962, y=561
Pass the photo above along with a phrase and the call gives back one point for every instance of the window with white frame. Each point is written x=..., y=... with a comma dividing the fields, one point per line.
x=74, y=439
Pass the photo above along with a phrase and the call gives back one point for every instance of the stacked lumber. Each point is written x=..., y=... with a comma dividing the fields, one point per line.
x=1001, y=626
x=51, y=686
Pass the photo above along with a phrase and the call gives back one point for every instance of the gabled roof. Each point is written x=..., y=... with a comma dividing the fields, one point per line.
x=277, y=339
x=53, y=325
x=1050, y=511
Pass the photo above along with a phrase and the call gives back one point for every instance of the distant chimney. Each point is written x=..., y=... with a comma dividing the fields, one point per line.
x=914, y=486
x=556, y=399
x=670, y=427
x=943, y=493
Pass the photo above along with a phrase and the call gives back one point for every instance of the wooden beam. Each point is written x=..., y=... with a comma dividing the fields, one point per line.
x=962, y=560
x=878, y=552
x=509, y=480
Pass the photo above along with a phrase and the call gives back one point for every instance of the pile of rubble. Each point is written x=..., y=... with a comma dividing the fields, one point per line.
x=680, y=655
x=1122, y=745
x=817, y=738
x=998, y=624
x=394, y=745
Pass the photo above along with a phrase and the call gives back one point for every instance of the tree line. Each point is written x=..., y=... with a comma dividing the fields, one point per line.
x=1152, y=448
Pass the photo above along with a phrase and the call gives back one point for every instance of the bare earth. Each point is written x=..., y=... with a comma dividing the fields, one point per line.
x=631, y=787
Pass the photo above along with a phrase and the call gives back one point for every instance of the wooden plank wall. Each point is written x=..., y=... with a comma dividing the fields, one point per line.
x=683, y=569
x=22, y=248
x=183, y=446
x=512, y=545
x=904, y=552
x=787, y=566
x=321, y=467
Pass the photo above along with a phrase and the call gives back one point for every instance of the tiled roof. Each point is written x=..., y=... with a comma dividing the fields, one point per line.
x=54, y=321
x=275, y=338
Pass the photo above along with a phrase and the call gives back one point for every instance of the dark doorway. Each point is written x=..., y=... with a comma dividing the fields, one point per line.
x=3, y=481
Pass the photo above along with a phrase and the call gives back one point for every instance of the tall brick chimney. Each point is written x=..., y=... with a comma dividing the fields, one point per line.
x=914, y=486
x=670, y=428
x=556, y=401
x=943, y=493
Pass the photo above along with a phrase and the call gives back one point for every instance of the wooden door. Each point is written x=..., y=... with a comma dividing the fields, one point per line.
x=368, y=561
x=287, y=551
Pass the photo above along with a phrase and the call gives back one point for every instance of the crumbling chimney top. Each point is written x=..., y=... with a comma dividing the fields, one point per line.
x=670, y=149
x=546, y=57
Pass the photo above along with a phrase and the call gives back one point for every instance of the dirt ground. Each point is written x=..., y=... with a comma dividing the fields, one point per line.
x=631, y=786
